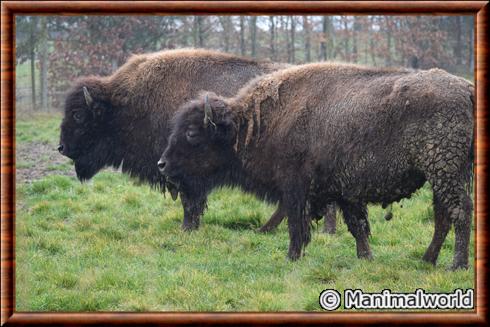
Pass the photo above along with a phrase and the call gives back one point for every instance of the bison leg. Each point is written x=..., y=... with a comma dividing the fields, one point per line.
x=294, y=202
x=450, y=188
x=355, y=216
x=330, y=224
x=274, y=221
x=459, y=209
x=193, y=210
x=456, y=204
x=442, y=224
x=299, y=232
x=462, y=229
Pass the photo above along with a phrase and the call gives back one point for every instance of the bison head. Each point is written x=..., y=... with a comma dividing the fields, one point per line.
x=85, y=128
x=200, y=146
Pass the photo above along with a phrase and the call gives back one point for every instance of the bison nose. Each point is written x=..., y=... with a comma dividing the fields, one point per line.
x=60, y=148
x=161, y=165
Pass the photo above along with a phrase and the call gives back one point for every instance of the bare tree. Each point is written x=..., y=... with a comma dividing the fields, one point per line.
x=43, y=61
x=388, y=41
x=195, y=32
x=242, y=36
x=324, y=38
x=307, y=38
x=371, y=40
x=292, y=40
x=32, y=48
x=355, y=30
x=198, y=31
x=272, y=28
x=253, y=35
x=346, y=38
x=183, y=38
x=285, y=37
x=227, y=29
x=458, y=43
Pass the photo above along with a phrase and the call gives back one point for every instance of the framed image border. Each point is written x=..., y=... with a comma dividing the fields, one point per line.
x=9, y=9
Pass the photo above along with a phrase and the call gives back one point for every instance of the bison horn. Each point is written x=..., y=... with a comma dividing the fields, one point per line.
x=88, y=97
x=208, y=113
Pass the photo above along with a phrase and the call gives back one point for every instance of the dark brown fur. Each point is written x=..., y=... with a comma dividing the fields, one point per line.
x=320, y=133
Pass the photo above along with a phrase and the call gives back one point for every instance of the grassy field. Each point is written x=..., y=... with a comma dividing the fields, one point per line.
x=112, y=245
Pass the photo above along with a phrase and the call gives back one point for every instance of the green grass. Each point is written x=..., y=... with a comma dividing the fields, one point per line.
x=39, y=127
x=111, y=245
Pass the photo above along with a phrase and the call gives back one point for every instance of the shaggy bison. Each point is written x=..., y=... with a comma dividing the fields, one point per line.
x=123, y=119
x=311, y=135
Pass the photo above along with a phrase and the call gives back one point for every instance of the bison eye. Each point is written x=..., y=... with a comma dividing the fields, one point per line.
x=78, y=116
x=192, y=136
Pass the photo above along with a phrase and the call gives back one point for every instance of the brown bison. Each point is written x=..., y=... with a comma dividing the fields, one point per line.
x=315, y=134
x=123, y=119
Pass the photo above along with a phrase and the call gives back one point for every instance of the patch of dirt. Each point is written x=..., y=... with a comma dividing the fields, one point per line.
x=35, y=160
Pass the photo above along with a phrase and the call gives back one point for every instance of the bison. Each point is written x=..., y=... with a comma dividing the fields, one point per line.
x=122, y=119
x=314, y=134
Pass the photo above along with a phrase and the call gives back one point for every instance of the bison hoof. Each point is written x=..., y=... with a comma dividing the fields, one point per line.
x=365, y=256
x=293, y=256
x=458, y=266
x=266, y=229
x=429, y=258
x=189, y=228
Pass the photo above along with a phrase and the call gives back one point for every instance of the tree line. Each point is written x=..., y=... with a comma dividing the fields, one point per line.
x=58, y=49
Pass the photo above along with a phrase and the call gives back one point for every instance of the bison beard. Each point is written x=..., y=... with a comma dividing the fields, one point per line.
x=311, y=135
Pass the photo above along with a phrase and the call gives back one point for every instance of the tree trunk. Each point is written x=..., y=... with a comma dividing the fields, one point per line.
x=242, y=36
x=388, y=42
x=325, y=37
x=272, y=39
x=253, y=35
x=293, y=34
x=307, y=38
x=285, y=27
x=371, y=41
x=346, y=40
x=458, y=44
x=33, y=62
x=195, y=32
x=198, y=32
x=226, y=24
x=355, y=30
x=43, y=60
x=187, y=31
x=200, y=27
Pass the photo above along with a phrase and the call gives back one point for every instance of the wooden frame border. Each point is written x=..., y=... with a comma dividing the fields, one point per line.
x=11, y=8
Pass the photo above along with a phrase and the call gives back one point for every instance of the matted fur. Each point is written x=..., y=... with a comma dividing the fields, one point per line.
x=317, y=133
